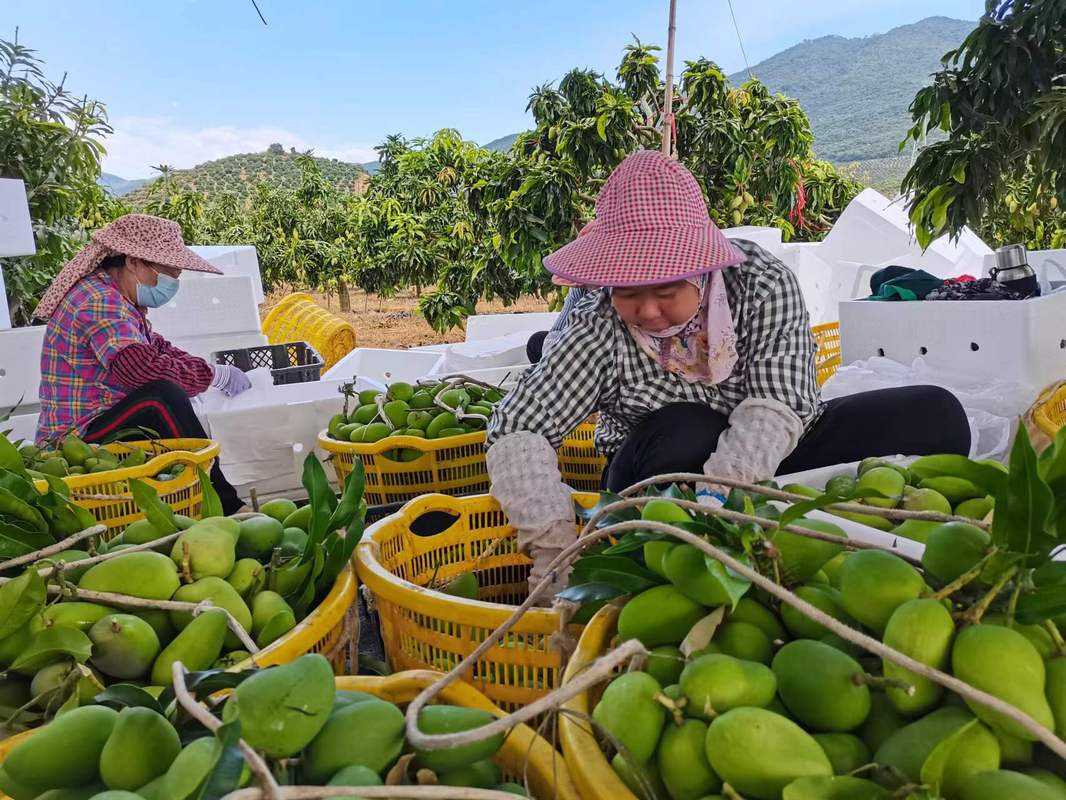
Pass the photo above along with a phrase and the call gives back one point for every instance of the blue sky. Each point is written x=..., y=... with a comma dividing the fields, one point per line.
x=190, y=80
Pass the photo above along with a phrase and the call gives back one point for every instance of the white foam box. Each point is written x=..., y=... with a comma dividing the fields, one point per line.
x=233, y=260
x=207, y=308
x=1050, y=266
x=20, y=367
x=1012, y=340
x=491, y=326
x=383, y=365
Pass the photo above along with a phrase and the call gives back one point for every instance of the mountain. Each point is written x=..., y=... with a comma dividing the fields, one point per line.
x=120, y=186
x=503, y=144
x=241, y=173
x=857, y=91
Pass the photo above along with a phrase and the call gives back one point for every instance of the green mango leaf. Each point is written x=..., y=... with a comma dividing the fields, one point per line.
x=155, y=510
x=937, y=761
x=16, y=540
x=21, y=512
x=225, y=776
x=10, y=457
x=1023, y=505
x=589, y=592
x=985, y=476
x=1052, y=466
x=736, y=586
x=1045, y=604
x=606, y=499
x=128, y=695
x=51, y=645
x=624, y=573
x=347, y=509
x=1050, y=574
x=20, y=487
x=323, y=502
x=20, y=600
x=211, y=506
x=206, y=683
x=633, y=541
x=799, y=510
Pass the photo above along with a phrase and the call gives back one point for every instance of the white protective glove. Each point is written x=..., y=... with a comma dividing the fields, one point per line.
x=525, y=480
x=230, y=380
x=760, y=436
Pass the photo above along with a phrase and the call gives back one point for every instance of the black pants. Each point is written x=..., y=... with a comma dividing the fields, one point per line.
x=535, y=346
x=912, y=420
x=162, y=407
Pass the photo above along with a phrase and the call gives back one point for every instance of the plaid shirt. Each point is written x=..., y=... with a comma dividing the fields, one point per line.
x=91, y=325
x=596, y=366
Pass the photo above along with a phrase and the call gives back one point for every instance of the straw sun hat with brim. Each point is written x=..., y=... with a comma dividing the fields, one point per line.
x=143, y=236
x=651, y=227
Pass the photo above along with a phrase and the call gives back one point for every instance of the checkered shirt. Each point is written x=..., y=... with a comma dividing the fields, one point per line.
x=91, y=325
x=596, y=366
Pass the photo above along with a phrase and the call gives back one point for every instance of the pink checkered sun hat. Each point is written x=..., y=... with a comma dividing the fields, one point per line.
x=153, y=239
x=651, y=227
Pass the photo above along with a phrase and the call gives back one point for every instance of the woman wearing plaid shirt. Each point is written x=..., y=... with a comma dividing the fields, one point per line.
x=698, y=357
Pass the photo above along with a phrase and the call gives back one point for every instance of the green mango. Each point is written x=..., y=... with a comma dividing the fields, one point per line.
x=916, y=530
x=160, y=622
x=479, y=775
x=197, y=647
x=271, y=617
x=873, y=584
x=190, y=769
x=836, y=788
x=1050, y=780
x=956, y=490
x=247, y=577
x=464, y=585
x=67, y=557
x=400, y=391
x=421, y=399
x=686, y=569
x=293, y=542
x=343, y=698
x=258, y=537
x=682, y=761
x=353, y=776
x=279, y=508
x=643, y=780
x=65, y=753
x=73, y=614
x=282, y=709
x=440, y=423
x=93, y=791
x=300, y=518
x=954, y=548
x=141, y=532
x=818, y=684
x=655, y=553
x=396, y=411
x=148, y=575
x=845, y=751
x=1037, y=635
x=975, y=508
x=717, y=683
x=630, y=713
x=209, y=549
x=925, y=500
x=843, y=645
x=14, y=789
x=831, y=568
x=51, y=686
x=923, y=630
x=869, y=520
x=744, y=641
x=665, y=664
x=824, y=598
x=882, y=721
x=364, y=414
x=377, y=726
x=231, y=659
x=660, y=615
x=222, y=595
x=75, y=451
x=1003, y=663
x=800, y=557
x=755, y=613
x=800, y=489
x=906, y=750
x=1055, y=689
x=442, y=719
x=1003, y=784
x=141, y=747
x=887, y=482
x=1013, y=752
x=124, y=646
x=785, y=752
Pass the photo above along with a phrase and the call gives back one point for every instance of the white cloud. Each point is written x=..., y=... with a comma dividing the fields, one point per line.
x=139, y=143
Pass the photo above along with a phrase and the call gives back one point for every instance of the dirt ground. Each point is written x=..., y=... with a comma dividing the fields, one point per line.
x=395, y=323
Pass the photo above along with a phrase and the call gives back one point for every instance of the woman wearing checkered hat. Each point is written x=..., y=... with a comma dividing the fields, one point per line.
x=697, y=356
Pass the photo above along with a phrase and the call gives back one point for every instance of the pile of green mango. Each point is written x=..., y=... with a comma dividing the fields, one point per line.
x=70, y=455
x=924, y=485
x=310, y=732
x=57, y=655
x=767, y=702
x=421, y=411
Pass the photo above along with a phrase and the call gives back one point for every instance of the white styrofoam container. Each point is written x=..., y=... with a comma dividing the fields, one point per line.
x=384, y=366
x=233, y=260
x=1050, y=266
x=20, y=367
x=207, y=308
x=490, y=326
x=766, y=236
x=1011, y=340
x=22, y=426
x=504, y=377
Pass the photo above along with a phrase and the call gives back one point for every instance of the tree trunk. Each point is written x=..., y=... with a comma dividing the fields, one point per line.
x=418, y=290
x=343, y=296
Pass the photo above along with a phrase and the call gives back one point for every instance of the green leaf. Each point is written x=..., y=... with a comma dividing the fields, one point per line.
x=937, y=761
x=590, y=592
x=619, y=571
x=736, y=586
x=10, y=457
x=1052, y=467
x=155, y=510
x=1050, y=574
x=51, y=645
x=633, y=541
x=1023, y=505
x=225, y=776
x=21, y=599
x=16, y=540
x=322, y=500
x=23, y=489
x=351, y=499
x=1042, y=605
x=606, y=499
x=128, y=695
x=211, y=506
x=990, y=479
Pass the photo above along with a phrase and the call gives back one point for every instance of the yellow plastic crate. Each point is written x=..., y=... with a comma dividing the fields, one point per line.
x=330, y=629
x=297, y=317
x=579, y=462
x=455, y=466
x=426, y=629
x=1049, y=412
x=523, y=755
x=827, y=357
x=589, y=768
x=106, y=495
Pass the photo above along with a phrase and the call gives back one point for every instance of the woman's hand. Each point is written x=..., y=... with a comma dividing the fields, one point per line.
x=230, y=380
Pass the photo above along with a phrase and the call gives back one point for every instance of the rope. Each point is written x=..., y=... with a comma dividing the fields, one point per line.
x=740, y=40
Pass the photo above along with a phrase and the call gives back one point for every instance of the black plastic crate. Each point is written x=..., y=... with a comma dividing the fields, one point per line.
x=292, y=362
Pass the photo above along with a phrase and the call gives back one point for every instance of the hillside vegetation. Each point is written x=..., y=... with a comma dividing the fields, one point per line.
x=240, y=174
